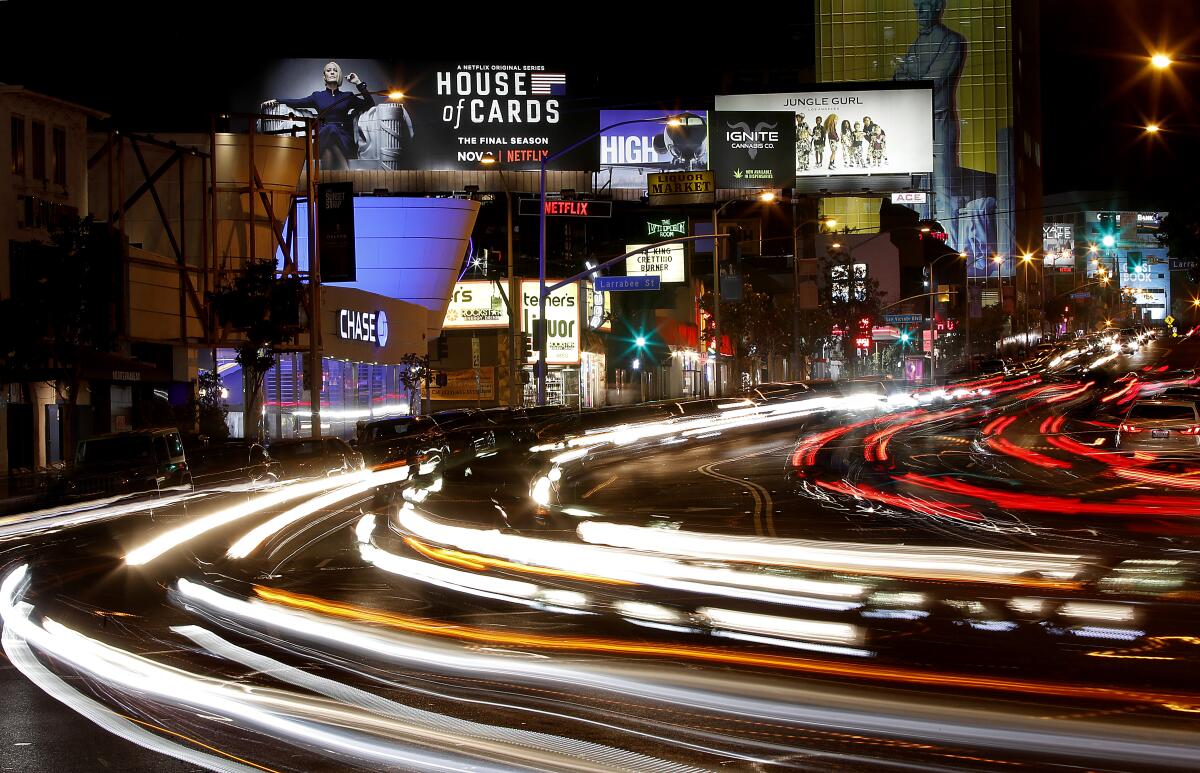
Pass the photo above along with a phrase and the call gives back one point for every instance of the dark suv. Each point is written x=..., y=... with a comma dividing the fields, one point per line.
x=146, y=461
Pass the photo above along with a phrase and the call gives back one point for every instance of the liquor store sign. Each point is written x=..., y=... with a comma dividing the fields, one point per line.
x=562, y=321
x=675, y=188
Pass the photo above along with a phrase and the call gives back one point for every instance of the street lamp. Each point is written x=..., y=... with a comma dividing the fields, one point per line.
x=1160, y=61
x=1026, y=259
x=670, y=120
x=829, y=223
x=999, y=260
x=514, y=291
x=933, y=297
x=766, y=197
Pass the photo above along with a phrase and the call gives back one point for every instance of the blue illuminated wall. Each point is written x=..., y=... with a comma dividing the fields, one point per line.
x=407, y=248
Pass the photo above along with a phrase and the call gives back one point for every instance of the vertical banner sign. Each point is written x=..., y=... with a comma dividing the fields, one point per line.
x=562, y=321
x=335, y=222
x=753, y=149
x=598, y=307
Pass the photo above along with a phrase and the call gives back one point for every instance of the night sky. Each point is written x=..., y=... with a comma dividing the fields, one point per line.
x=1097, y=90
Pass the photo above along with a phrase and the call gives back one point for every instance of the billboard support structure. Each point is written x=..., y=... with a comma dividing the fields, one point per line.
x=248, y=181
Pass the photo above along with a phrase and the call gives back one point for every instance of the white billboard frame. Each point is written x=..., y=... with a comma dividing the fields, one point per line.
x=907, y=128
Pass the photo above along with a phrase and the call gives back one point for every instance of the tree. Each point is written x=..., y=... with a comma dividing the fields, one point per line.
x=62, y=309
x=415, y=375
x=210, y=405
x=264, y=309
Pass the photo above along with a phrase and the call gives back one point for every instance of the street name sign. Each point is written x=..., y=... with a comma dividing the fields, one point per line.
x=609, y=284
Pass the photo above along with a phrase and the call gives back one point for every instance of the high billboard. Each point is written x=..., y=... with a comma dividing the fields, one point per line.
x=450, y=115
x=852, y=131
x=646, y=144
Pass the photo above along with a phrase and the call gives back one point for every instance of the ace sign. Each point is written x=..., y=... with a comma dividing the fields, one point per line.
x=562, y=321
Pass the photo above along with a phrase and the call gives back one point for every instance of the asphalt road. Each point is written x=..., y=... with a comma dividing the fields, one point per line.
x=947, y=582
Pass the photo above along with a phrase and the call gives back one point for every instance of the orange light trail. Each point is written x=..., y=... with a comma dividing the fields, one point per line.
x=716, y=655
x=480, y=563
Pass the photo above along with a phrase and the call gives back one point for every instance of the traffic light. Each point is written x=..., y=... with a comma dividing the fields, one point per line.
x=443, y=348
x=1108, y=228
x=442, y=379
x=539, y=334
x=526, y=346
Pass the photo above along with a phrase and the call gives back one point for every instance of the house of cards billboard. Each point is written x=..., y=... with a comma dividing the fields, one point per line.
x=853, y=131
x=450, y=115
x=629, y=152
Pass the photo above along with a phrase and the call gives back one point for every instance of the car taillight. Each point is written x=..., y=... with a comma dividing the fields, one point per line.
x=1193, y=430
x=1131, y=429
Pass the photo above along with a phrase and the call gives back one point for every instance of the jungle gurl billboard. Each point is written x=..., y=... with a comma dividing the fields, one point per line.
x=449, y=118
x=853, y=131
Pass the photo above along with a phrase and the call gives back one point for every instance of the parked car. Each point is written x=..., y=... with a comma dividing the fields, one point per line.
x=309, y=457
x=414, y=440
x=148, y=461
x=1161, y=425
x=779, y=392
x=231, y=463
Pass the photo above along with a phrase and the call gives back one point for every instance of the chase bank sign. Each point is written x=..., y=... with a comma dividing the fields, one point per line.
x=367, y=326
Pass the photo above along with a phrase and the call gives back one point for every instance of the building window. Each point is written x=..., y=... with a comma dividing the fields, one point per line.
x=17, y=135
x=58, y=155
x=39, y=150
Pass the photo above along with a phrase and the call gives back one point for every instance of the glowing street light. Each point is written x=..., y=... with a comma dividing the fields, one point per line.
x=640, y=341
x=395, y=96
x=1108, y=240
x=1160, y=61
x=1151, y=128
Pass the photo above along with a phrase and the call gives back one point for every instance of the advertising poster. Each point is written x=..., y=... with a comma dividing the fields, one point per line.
x=753, y=148
x=476, y=304
x=461, y=385
x=969, y=63
x=598, y=308
x=1058, y=245
x=450, y=115
x=562, y=321
x=335, y=225
x=852, y=131
x=667, y=261
x=629, y=152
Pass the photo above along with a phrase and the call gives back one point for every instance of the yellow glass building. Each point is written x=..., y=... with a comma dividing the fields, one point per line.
x=982, y=57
